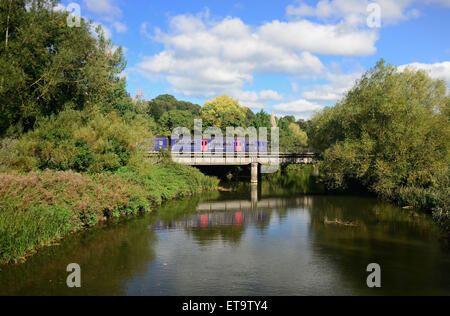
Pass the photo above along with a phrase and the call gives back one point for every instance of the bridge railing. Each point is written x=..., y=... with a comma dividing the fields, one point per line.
x=238, y=155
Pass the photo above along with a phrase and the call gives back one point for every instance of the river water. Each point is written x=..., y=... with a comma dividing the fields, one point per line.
x=256, y=241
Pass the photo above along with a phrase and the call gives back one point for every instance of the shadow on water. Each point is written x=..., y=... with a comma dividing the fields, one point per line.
x=280, y=238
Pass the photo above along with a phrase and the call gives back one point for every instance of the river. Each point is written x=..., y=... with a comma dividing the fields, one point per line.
x=257, y=241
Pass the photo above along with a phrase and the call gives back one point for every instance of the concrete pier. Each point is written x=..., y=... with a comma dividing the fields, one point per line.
x=255, y=167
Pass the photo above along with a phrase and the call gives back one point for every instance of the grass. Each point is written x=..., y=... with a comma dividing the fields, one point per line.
x=38, y=208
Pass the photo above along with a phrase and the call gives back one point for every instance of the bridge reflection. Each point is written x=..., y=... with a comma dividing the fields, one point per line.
x=235, y=213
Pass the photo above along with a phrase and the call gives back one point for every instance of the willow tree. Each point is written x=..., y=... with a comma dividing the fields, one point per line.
x=390, y=134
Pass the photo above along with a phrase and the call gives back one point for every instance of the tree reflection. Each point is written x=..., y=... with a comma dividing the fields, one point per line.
x=108, y=257
x=403, y=242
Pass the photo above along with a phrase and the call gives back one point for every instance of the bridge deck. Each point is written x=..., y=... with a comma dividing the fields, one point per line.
x=240, y=159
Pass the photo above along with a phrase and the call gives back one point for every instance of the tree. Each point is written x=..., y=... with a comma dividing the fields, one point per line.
x=387, y=134
x=261, y=119
x=167, y=102
x=176, y=118
x=47, y=66
x=249, y=116
x=223, y=112
x=295, y=140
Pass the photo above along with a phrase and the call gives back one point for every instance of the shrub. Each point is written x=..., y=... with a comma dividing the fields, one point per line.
x=83, y=141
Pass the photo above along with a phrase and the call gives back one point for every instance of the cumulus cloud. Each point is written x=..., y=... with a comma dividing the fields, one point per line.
x=205, y=58
x=300, y=108
x=120, y=27
x=436, y=70
x=256, y=100
x=107, y=8
x=354, y=12
x=107, y=11
x=332, y=39
x=334, y=90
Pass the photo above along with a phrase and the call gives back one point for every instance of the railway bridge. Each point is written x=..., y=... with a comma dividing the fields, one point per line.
x=265, y=162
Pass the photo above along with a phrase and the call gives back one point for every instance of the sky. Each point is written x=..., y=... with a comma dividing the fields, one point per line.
x=290, y=57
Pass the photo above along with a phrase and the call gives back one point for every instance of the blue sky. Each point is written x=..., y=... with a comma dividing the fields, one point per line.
x=288, y=57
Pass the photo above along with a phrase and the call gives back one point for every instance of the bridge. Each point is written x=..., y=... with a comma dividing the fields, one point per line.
x=256, y=160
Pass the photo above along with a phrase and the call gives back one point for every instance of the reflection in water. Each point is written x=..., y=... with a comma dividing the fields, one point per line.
x=108, y=256
x=242, y=244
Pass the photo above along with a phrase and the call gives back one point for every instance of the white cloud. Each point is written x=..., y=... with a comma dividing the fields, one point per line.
x=354, y=12
x=205, y=58
x=120, y=27
x=256, y=100
x=107, y=8
x=334, y=90
x=300, y=108
x=436, y=70
x=59, y=8
x=330, y=39
x=107, y=11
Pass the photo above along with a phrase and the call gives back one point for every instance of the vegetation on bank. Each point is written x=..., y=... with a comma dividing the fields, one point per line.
x=72, y=139
x=390, y=134
x=38, y=208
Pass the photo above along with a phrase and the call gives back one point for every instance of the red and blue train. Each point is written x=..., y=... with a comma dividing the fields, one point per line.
x=204, y=145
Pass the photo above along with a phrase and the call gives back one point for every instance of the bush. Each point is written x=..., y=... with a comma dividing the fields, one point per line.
x=166, y=180
x=83, y=141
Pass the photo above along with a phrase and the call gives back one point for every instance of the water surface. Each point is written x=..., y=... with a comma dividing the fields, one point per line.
x=254, y=242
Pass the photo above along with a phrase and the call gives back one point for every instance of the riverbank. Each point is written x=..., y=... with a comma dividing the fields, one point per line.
x=39, y=208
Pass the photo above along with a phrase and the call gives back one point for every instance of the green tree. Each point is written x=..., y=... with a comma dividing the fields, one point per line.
x=261, y=119
x=175, y=118
x=47, y=66
x=389, y=134
x=223, y=112
x=295, y=140
x=249, y=116
x=167, y=102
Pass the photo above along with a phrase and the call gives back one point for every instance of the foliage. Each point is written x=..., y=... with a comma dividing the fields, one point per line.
x=67, y=110
x=224, y=112
x=166, y=180
x=293, y=180
x=261, y=119
x=84, y=141
x=174, y=119
x=390, y=134
x=165, y=103
x=38, y=208
x=47, y=66
x=294, y=139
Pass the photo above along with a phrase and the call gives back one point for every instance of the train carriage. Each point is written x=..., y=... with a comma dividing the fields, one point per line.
x=206, y=145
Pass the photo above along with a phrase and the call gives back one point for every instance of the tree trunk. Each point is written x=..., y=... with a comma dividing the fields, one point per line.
x=7, y=24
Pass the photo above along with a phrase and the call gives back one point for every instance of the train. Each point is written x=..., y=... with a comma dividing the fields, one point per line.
x=206, y=145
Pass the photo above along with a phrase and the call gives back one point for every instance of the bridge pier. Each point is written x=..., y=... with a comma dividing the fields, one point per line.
x=254, y=194
x=255, y=173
